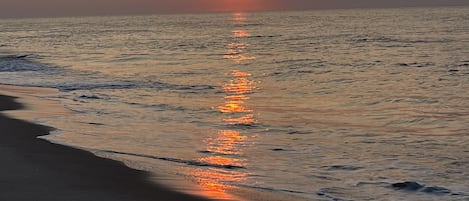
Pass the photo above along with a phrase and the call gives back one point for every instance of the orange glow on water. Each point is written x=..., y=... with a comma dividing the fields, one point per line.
x=239, y=18
x=233, y=107
x=240, y=74
x=212, y=183
x=239, y=58
x=239, y=86
x=246, y=120
x=236, y=91
x=237, y=97
x=240, y=33
x=236, y=53
x=220, y=160
x=225, y=142
x=236, y=50
x=226, y=148
x=237, y=45
x=233, y=52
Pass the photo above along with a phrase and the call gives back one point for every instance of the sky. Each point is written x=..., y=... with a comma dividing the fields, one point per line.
x=52, y=8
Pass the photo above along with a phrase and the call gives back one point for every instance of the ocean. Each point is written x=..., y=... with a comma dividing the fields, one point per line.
x=359, y=104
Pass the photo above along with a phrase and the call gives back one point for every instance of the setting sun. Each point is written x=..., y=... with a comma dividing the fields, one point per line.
x=241, y=5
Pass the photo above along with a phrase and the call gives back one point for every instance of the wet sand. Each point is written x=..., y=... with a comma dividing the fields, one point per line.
x=35, y=169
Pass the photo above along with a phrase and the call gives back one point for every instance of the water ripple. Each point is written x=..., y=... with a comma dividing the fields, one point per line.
x=176, y=160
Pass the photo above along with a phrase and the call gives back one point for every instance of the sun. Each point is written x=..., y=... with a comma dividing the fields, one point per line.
x=240, y=5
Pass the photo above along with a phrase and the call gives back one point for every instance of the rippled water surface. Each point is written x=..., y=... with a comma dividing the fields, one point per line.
x=316, y=105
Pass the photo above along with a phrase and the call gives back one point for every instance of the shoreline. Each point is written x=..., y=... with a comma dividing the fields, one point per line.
x=36, y=169
x=49, y=171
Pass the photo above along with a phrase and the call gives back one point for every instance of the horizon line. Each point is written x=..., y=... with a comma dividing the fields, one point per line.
x=224, y=12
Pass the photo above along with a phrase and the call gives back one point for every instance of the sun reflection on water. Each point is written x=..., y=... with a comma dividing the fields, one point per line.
x=236, y=93
x=212, y=182
x=240, y=33
x=226, y=147
x=237, y=49
x=239, y=18
x=226, y=144
x=225, y=150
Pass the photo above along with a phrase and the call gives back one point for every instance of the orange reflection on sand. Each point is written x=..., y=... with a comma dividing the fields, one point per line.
x=212, y=182
x=225, y=148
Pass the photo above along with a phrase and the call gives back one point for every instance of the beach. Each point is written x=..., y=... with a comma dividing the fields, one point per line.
x=355, y=104
x=35, y=169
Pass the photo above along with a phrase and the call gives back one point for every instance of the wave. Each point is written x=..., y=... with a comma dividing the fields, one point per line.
x=464, y=64
x=413, y=186
x=385, y=39
x=416, y=64
x=270, y=189
x=160, y=107
x=264, y=36
x=328, y=193
x=72, y=80
x=342, y=167
x=176, y=160
x=20, y=63
x=92, y=86
x=106, y=83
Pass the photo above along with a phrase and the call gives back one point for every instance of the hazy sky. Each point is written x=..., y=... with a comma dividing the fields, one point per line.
x=31, y=8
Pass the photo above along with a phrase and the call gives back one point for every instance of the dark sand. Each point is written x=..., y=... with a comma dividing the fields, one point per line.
x=33, y=169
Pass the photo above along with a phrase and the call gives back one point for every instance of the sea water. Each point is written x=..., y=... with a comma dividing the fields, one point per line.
x=365, y=104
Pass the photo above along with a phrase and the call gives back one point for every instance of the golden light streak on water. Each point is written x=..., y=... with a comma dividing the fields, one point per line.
x=226, y=148
x=244, y=120
x=223, y=149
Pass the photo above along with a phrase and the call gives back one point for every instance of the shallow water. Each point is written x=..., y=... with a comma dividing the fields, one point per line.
x=322, y=105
